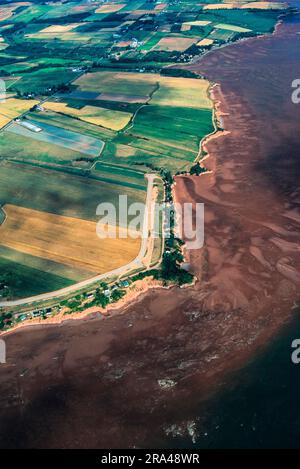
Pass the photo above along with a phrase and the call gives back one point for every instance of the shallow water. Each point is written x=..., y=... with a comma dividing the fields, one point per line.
x=260, y=407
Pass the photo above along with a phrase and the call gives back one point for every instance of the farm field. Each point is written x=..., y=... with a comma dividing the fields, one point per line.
x=109, y=118
x=177, y=92
x=20, y=147
x=171, y=126
x=245, y=5
x=70, y=35
x=26, y=281
x=69, y=9
x=59, y=28
x=94, y=79
x=122, y=175
x=62, y=138
x=40, y=81
x=70, y=241
x=50, y=224
x=264, y=5
x=177, y=115
x=120, y=86
x=30, y=13
x=110, y=8
x=67, y=122
x=205, y=42
x=62, y=271
x=59, y=192
x=262, y=22
x=12, y=108
x=6, y=11
x=18, y=67
x=21, y=144
x=174, y=43
x=231, y=27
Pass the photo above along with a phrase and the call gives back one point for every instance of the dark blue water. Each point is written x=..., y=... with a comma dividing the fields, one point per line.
x=263, y=409
x=260, y=407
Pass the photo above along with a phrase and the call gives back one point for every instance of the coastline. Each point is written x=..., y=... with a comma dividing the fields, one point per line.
x=129, y=299
x=140, y=287
x=200, y=337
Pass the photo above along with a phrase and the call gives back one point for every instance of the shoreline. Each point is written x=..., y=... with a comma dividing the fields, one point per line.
x=128, y=300
x=104, y=374
x=141, y=288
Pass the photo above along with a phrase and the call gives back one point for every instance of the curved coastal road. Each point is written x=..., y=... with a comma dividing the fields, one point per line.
x=136, y=263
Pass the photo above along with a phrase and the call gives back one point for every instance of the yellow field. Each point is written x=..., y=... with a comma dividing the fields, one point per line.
x=265, y=5
x=205, y=42
x=7, y=11
x=116, y=82
x=182, y=92
x=174, y=43
x=243, y=5
x=66, y=36
x=110, y=8
x=221, y=6
x=125, y=151
x=114, y=120
x=3, y=121
x=69, y=241
x=60, y=28
x=172, y=91
x=198, y=23
x=12, y=108
x=185, y=27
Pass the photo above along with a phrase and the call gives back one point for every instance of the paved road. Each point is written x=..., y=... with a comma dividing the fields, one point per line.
x=136, y=263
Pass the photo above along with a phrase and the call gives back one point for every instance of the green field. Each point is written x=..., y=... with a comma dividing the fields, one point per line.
x=41, y=81
x=170, y=126
x=261, y=22
x=123, y=175
x=23, y=147
x=117, y=83
x=178, y=130
x=75, y=125
x=61, y=138
x=55, y=269
x=221, y=35
x=25, y=281
x=59, y=192
x=154, y=39
x=20, y=147
x=30, y=13
x=18, y=67
x=103, y=117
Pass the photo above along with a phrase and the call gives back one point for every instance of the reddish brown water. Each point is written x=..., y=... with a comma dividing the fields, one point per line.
x=94, y=383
